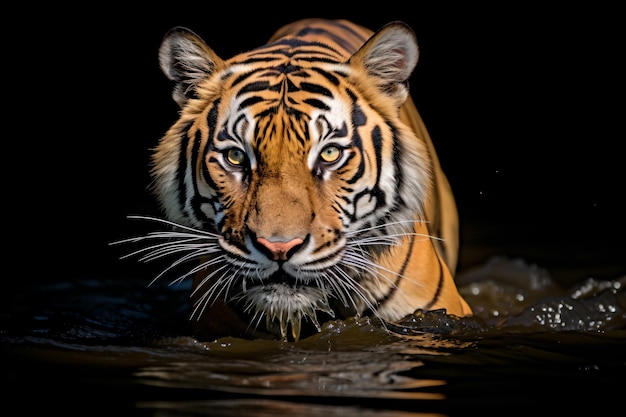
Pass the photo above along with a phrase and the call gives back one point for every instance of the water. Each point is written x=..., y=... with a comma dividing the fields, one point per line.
x=98, y=347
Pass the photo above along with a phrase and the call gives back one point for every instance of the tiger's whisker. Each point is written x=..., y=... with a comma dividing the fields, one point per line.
x=189, y=273
x=173, y=248
x=174, y=224
x=211, y=294
x=358, y=289
x=377, y=270
x=384, y=226
x=391, y=238
x=342, y=289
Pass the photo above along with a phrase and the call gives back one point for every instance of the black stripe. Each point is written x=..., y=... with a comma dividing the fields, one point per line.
x=295, y=47
x=377, y=143
x=198, y=200
x=253, y=87
x=358, y=120
x=394, y=288
x=250, y=101
x=400, y=277
x=338, y=39
x=182, y=169
x=194, y=201
x=316, y=103
x=330, y=77
x=398, y=158
x=439, y=288
x=315, y=88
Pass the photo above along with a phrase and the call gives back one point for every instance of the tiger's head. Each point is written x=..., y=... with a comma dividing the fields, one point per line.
x=293, y=168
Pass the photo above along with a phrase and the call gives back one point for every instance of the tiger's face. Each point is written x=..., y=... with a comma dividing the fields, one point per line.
x=293, y=160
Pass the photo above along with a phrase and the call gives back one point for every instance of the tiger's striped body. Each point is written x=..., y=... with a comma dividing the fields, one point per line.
x=310, y=166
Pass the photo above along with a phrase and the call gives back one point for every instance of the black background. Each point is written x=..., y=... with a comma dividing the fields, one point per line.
x=524, y=104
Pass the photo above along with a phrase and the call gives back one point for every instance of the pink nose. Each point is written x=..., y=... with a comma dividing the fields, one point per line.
x=279, y=249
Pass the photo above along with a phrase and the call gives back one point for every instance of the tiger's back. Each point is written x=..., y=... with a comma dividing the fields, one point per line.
x=310, y=166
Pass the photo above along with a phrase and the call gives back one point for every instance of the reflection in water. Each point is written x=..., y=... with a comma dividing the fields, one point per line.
x=270, y=408
x=287, y=370
x=120, y=346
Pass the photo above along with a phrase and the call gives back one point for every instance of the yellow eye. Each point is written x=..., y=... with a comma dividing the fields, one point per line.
x=330, y=154
x=235, y=156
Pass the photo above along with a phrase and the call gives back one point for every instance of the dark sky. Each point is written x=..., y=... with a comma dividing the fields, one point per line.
x=525, y=106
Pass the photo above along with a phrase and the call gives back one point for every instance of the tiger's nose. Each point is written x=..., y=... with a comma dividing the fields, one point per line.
x=280, y=251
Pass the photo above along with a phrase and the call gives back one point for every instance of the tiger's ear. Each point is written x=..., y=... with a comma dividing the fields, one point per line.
x=187, y=60
x=390, y=56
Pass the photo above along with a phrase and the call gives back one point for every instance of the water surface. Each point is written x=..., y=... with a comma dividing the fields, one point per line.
x=93, y=347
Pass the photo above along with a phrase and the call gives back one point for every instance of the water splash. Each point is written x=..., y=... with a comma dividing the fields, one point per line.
x=510, y=294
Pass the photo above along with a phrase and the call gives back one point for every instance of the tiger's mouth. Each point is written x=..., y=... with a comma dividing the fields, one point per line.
x=285, y=301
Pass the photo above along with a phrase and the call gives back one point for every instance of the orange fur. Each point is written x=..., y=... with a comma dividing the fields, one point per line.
x=277, y=192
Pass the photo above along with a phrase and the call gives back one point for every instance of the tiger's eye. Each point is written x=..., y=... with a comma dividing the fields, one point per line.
x=330, y=154
x=235, y=156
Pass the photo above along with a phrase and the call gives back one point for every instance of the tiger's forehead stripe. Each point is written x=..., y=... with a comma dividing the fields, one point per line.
x=277, y=88
x=293, y=47
x=329, y=76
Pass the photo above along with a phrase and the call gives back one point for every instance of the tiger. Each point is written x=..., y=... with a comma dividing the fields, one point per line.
x=303, y=183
